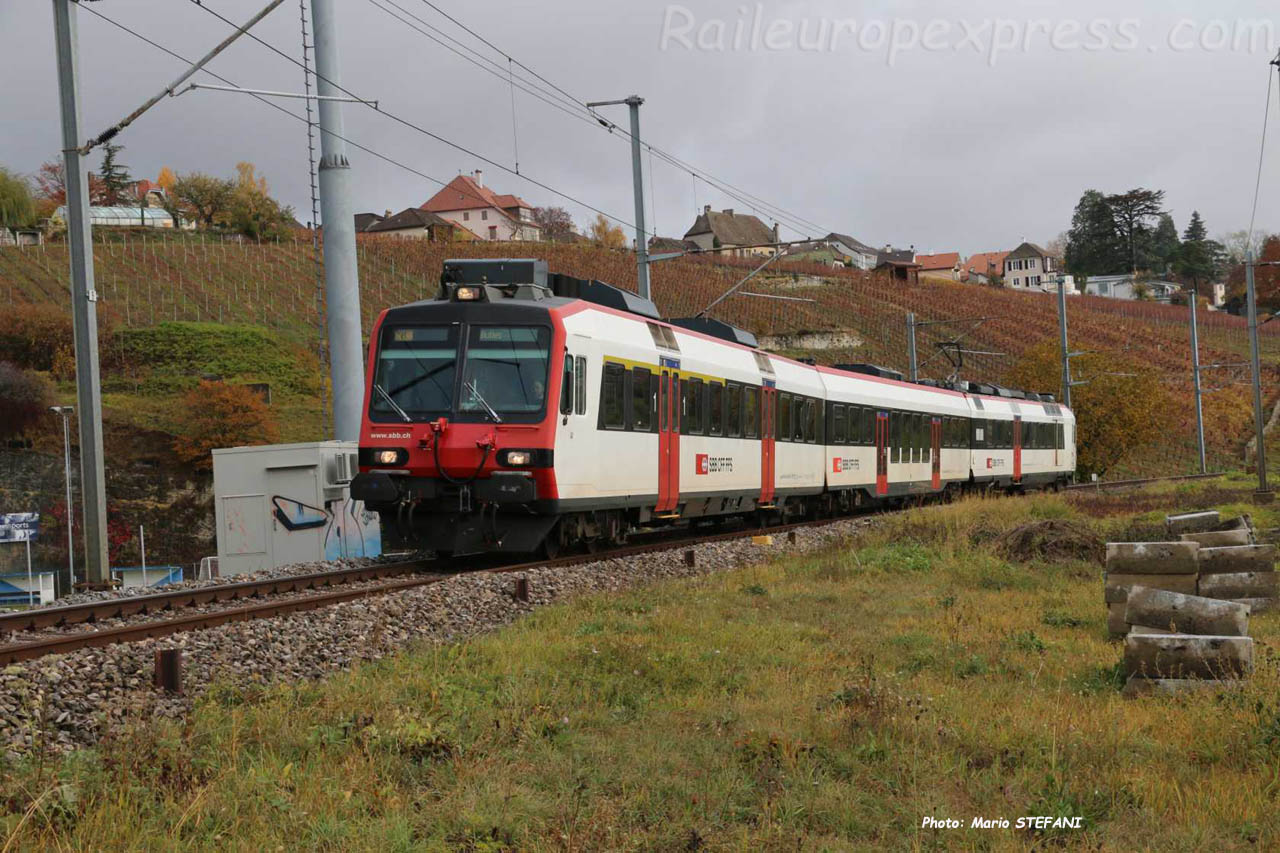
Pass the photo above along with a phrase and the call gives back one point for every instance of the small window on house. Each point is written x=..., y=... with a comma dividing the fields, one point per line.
x=751, y=412
x=642, y=400
x=466, y=216
x=733, y=409
x=580, y=385
x=484, y=214
x=717, y=408
x=612, y=400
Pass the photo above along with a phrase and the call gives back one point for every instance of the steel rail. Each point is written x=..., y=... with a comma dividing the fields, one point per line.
x=1117, y=484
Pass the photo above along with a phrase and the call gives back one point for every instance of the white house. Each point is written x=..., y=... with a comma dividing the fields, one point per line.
x=1031, y=267
x=1124, y=286
x=468, y=203
x=863, y=256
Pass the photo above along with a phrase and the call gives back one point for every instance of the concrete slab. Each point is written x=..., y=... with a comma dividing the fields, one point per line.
x=1258, y=605
x=1186, y=655
x=1237, y=558
x=1231, y=585
x=1135, y=686
x=1116, y=586
x=1192, y=522
x=1220, y=538
x=1187, y=614
x=1152, y=558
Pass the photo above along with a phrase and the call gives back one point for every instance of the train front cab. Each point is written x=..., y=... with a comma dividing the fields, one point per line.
x=457, y=442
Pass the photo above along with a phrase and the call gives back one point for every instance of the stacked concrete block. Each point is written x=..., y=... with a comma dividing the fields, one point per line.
x=1170, y=566
x=1242, y=573
x=1200, y=521
x=1183, y=642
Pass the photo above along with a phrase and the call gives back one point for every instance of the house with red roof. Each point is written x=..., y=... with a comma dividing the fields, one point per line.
x=468, y=203
x=937, y=266
x=983, y=267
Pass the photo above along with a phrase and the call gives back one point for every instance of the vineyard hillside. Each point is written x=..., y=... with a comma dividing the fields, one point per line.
x=146, y=281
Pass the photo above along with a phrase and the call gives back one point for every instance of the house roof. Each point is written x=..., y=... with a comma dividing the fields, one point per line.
x=984, y=262
x=731, y=229
x=364, y=220
x=1027, y=250
x=941, y=261
x=671, y=244
x=851, y=243
x=902, y=256
x=463, y=193
x=410, y=217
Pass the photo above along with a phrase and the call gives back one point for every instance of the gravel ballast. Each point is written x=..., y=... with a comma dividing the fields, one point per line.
x=62, y=702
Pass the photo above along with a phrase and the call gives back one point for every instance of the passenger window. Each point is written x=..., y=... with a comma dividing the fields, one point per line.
x=895, y=434
x=580, y=385
x=717, y=408
x=800, y=418
x=814, y=431
x=641, y=401
x=838, y=424
x=611, y=397
x=784, y=418
x=1062, y=435
x=733, y=408
x=751, y=412
x=566, y=387
x=693, y=408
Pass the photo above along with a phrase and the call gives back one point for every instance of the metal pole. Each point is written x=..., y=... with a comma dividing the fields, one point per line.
x=911, y=347
x=71, y=541
x=637, y=177
x=1259, y=424
x=341, y=277
x=142, y=545
x=83, y=301
x=1195, y=376
x=29, y=585
x=1062, y=334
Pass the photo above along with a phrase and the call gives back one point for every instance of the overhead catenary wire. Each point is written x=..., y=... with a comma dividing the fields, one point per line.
x=422, y=130
x=1262, y=149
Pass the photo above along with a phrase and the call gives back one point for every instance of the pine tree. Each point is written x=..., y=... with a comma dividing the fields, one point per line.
x=1199, y=258
x=1162, y=250
x=115, y=176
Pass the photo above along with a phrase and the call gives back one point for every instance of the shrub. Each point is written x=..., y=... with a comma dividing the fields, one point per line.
x=214, y=415
x=25, y=398
x=32, y=336
x=246, y=352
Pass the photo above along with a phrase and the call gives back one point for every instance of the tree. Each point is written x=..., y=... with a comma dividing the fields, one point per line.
x=25, y=399
x=1266, y=280
x=1199, y=259
x=166, y=179
x=253, y=212
x=115, y=176
x=555, y=221
x=51, y=184
x=1092, y=246
x=606, y=235
x=215, y=414
x=1131, y=212
x=203, y=198
x=1163, y=248
x=1236, y=243
x=1118, y=409
x=17, y=208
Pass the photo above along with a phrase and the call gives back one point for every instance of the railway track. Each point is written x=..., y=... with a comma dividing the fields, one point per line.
x=1120, y=484
x=289, y=594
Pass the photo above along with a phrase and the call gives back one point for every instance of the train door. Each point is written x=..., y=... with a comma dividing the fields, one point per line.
x=1017, y=448
x=935, y=445
x=882, y=453
x=668, y=440
x=768, y=437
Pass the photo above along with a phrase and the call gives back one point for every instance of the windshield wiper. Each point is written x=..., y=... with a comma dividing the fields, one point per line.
x=399, y=411
x=475, y=392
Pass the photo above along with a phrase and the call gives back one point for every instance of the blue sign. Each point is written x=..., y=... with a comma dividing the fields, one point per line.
x=19, y=526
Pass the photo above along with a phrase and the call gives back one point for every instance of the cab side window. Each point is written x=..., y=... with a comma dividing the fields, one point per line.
x=566, y=386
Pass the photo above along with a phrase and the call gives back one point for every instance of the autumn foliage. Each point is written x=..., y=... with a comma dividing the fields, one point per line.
x=25, y=398
x=215, y=414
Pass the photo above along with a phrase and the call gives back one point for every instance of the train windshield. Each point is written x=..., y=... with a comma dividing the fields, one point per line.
x=506, y=371
x=417, y=366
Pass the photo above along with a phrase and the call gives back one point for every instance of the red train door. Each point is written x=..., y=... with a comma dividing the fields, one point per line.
x=935, y=442
x=1017, y=448
x=882, y=453
x=768, y=435
x=668, y=442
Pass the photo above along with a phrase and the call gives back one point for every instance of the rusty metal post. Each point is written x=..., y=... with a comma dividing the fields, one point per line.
x=168, y=676
x=691, y=557
x=791, y=537
x=522, y=589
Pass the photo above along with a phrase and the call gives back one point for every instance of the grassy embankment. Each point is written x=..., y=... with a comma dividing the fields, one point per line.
x=823, y=701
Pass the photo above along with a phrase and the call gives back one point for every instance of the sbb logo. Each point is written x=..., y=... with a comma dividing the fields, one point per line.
x=703, y=462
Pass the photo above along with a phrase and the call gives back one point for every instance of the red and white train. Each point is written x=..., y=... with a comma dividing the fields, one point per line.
x=521, y=411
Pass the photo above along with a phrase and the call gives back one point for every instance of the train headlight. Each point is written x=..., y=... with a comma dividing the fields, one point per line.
x=468, y=294
x=387, y=457
x=519, y=458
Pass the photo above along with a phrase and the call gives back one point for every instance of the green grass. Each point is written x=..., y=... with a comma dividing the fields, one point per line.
x=826, y=701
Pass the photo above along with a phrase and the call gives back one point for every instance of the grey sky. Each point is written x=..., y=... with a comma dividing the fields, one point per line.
x=947, y=147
